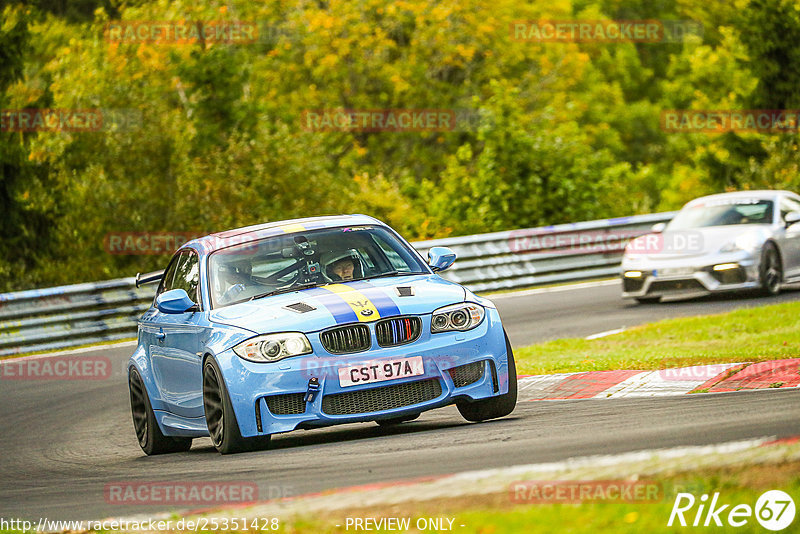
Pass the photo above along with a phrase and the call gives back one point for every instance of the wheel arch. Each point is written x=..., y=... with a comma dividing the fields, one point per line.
x=141, y=363
x=777, y=247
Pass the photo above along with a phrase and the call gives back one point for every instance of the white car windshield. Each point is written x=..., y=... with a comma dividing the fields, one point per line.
x=723, y=212
x=305, y=259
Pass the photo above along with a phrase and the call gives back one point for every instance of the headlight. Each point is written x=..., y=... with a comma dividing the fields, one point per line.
x=273, y=347
x=746, y=242
x=458, y=317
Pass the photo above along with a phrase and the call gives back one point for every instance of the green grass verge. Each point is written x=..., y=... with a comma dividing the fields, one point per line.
x=745, y=335
x=496, y=514
x=613, y=517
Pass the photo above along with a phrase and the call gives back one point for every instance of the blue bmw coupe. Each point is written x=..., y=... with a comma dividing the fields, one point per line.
x=308, y=323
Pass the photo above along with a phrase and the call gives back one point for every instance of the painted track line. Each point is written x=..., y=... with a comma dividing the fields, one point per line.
x=93, y=348
x=555, y=289
x=605, y=334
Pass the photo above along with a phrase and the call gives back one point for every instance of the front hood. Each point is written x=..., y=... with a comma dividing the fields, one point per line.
x=322, y=307
x=695, y=242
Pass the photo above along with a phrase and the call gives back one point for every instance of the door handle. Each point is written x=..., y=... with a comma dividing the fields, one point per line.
x=161, y=336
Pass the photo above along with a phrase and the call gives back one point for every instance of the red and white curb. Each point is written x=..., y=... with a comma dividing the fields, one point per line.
x=775, y=374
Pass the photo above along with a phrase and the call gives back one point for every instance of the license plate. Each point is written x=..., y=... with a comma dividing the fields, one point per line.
x=380, y=371
x=673, y=271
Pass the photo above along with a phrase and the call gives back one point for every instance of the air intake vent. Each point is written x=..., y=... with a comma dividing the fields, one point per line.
x=300, y=307
x=288, y=404
x=398, y=331
x=464, y=375
x=405, y=291
x=344, y=339
x=381, y=398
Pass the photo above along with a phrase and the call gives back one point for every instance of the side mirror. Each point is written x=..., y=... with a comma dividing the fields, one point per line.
x=440, y=258
x=792, y=217
x=658, y=227
x=175, y=301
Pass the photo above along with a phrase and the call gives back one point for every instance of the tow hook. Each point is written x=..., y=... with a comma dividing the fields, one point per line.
x=313, y=389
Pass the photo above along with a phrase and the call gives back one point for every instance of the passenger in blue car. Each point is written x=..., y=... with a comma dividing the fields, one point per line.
x=236, y=277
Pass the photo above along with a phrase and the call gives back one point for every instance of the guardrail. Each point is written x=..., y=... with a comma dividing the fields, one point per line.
x=65, y=316
x=545, y=255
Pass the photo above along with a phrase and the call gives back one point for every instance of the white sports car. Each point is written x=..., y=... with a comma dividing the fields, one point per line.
x=726, y=242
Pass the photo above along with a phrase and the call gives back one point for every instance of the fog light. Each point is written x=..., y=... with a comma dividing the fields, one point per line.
x=726, y=266
x=633, y=274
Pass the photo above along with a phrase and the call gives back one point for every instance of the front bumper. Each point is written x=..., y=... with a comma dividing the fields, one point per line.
x=686, y=277
x=271, y=398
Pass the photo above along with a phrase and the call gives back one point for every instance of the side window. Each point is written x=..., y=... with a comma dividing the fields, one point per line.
x=788, y=205
x=187, y=274
x=169, y=275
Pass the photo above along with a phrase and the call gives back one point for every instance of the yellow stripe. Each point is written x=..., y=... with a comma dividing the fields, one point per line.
x=289, y=228
x=356, y=300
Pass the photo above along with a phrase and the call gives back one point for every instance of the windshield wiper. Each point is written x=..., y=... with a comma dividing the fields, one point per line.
x=387, y=273
x=291, y=289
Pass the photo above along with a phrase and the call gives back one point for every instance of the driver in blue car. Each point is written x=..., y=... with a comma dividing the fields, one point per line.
x=343, y=267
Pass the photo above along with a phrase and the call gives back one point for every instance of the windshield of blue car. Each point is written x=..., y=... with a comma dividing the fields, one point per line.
x=307, y=259
x=723, y=212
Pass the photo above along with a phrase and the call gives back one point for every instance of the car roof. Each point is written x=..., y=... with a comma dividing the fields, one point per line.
x=761, y=194
x=255, y=232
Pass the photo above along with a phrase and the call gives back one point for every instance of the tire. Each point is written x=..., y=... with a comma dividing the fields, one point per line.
x=397, y=420
x=648, y=300
x=220, y=419
x=770, y=271
x=494, y=407
x=151, y=440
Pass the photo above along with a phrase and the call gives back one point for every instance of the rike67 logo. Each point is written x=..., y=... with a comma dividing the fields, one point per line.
x=774, y=510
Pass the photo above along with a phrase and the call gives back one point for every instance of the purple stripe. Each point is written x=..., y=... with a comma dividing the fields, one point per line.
x=336, y=305
x=383, y=302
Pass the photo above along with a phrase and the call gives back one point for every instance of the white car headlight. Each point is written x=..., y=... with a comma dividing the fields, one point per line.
x=745, y=242
x=457, y=317
x=273, y=347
